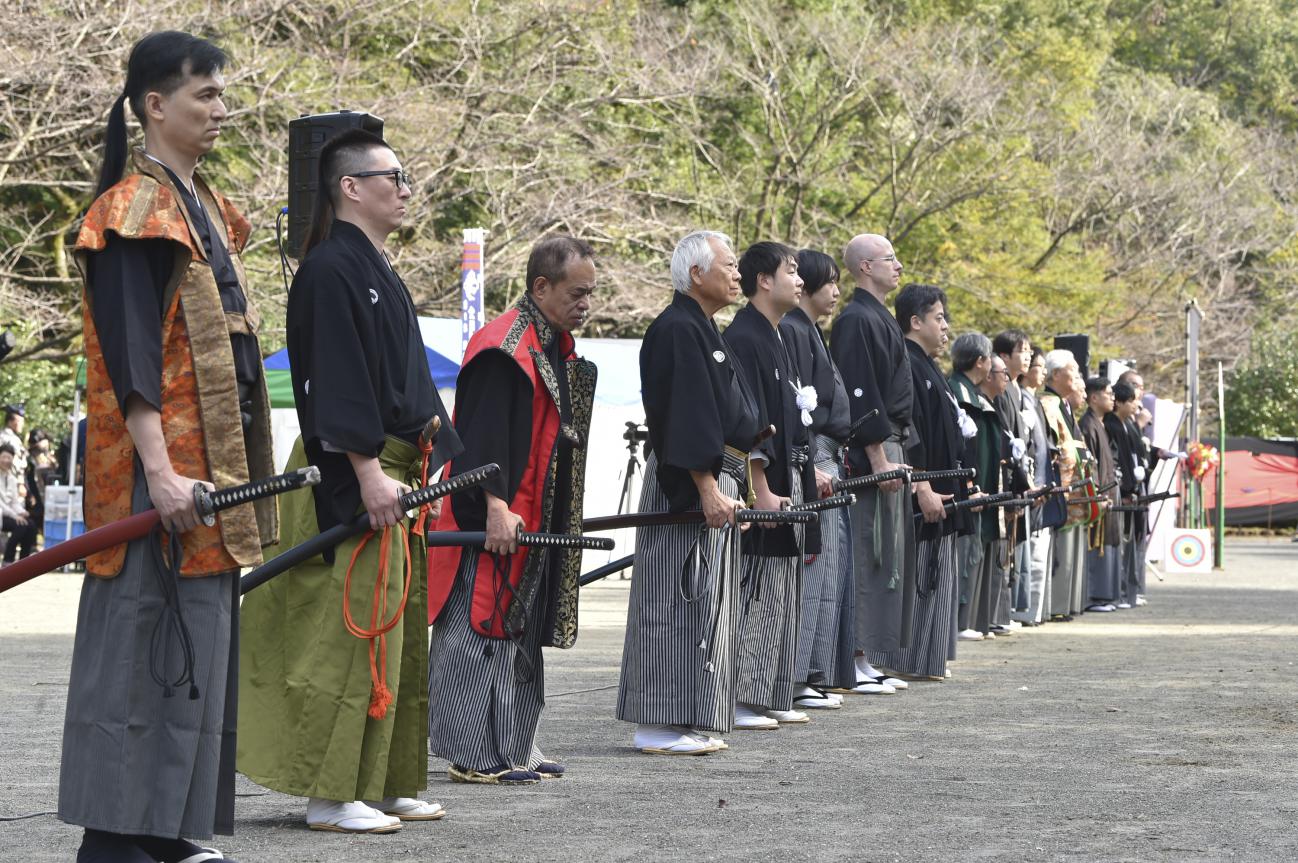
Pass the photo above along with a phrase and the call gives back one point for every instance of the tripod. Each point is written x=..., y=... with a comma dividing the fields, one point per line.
x=634, y=436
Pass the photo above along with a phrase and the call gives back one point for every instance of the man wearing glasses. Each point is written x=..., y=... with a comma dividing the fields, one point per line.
x=870, y=352
x=333, y=700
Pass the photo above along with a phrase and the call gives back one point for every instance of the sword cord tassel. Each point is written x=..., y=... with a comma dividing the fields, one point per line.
x=380, y=694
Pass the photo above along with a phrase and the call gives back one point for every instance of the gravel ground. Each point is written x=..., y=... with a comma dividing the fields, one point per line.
x=1164, y=733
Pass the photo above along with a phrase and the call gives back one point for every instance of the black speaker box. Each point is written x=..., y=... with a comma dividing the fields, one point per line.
x=306, y=135
x=1080, y=345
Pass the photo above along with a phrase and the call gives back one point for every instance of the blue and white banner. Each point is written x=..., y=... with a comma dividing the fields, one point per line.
x=471, y=283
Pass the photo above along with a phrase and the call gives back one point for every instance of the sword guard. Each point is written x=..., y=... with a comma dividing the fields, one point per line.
x=203, y=503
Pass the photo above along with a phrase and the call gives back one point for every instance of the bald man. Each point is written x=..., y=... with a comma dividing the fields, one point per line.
x=870, y=351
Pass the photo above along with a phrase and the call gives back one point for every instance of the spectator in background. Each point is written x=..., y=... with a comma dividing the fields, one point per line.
x=16, y=520
x=41, y=466
x=12, y=434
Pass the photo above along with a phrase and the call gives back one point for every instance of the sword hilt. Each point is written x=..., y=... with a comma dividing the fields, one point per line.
x=824, y=503
x=430, y=493
x=955, y=473
x=870, y=479
x=209, y=503
x=776, y=516
x=563, y=540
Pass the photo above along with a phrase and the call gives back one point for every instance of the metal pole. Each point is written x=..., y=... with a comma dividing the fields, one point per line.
x=1219, y=537
x=72, y=460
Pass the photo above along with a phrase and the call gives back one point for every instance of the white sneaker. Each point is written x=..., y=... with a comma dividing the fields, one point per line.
x=969, y=635
x=1014, y=624
x=1102, y=607
x=1124, y=605
x=671, y=740
x=354, y=816
x=1140, y=600
x=748, y=720
x=407, y=808
x=788, y=717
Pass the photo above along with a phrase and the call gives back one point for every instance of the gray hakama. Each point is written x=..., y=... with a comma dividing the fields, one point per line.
x=135, y=761
x=985, y=585
x=1103, y=574
x=680, y=656
x=1080, y=550
x=768, y=642
x=485, y=695
x=969, y=558
x=1063, y=552
x=883, y=558
x=825, y=637
x=933, y=629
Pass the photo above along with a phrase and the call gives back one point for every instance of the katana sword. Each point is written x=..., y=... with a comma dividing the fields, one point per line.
x=694, y=516
x=824, y=503
x=361, y=523
x=1142, y=502
x=955, y=473
x=860, y=421
x=469, y=538
x=607, y=569
x=208, y=504
x=870, y=479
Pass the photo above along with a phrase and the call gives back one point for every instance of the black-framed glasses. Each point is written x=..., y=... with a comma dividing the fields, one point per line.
x=399, y=177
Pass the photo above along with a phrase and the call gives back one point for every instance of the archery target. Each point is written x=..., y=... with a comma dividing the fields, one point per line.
x=1189, y=551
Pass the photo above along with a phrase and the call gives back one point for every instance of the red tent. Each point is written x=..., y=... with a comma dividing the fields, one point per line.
x=1261, y=481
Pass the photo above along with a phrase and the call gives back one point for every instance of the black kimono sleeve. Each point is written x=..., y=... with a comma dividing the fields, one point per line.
x=683, y=406
x=127, y=281
x=850, y=344
x=493, y=418
x=334, y=369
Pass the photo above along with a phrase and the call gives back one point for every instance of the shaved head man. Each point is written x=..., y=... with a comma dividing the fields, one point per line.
x=870, y=351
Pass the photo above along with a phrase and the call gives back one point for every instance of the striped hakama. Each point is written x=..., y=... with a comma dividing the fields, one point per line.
x=768, y=642
x=934, y=623
x=883, y=559
x=680, y=656
x=135, y=761
x=485, y=694
x=825, y=637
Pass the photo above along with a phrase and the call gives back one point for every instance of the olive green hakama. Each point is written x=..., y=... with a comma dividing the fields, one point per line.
x=305, y=680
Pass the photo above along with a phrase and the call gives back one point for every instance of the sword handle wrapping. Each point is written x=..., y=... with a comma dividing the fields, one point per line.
x=772, y=516
x=209, y=503
x=558, y=540
x=955, y=473
x=824, y=503
x=430, y=493
x=869, y=479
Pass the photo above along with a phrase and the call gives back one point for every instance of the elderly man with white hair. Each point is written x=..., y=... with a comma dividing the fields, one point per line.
x=1062, y=385
x=680, y=658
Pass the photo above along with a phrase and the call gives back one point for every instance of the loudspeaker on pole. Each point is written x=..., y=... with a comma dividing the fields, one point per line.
x=1080, y=345
x=306, y=135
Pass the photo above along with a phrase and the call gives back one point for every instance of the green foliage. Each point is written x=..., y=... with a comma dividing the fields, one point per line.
x=1262, y=395
x=1057, y=165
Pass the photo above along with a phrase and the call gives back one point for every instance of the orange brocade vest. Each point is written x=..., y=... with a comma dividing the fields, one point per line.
x=200, y=399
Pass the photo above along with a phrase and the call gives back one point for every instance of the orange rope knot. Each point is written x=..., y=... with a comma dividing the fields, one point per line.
x=380, y=694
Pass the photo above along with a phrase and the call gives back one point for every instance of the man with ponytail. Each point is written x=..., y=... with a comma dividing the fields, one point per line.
x=333, y=661
x=175, y=397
